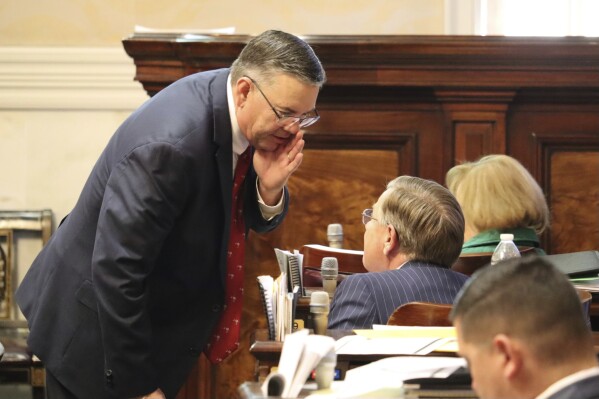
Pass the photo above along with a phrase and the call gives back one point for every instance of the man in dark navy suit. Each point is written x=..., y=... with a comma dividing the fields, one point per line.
x=128, y=291
x=414, y=233
x=522, y=329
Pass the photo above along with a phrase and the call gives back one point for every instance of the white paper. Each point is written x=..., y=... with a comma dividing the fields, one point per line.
x=387, y=375
x=293, y=347
x=360, y=345
x=301, y=353
x=143, y=29
x=315, y=348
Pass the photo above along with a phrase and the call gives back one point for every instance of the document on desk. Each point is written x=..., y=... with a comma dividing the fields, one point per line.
x=361, y=345
x=384, y=378
x=396, y=340
x=301, y=353
x=380, y=331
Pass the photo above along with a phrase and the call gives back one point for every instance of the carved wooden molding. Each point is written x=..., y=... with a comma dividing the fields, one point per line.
x=405, y=144
x=546, y=146
x=402, y=61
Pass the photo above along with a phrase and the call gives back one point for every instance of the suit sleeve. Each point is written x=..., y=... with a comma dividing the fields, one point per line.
x=144, y=194
x=353, y=305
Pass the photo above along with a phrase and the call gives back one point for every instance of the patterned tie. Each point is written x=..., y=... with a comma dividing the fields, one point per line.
x=225, y=337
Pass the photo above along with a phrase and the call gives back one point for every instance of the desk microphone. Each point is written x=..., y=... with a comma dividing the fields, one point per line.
x=319, y=309
x=329, y=269
x=335, y=235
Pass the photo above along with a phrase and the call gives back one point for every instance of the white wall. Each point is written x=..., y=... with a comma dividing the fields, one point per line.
x=58, y=108
x=106, y=22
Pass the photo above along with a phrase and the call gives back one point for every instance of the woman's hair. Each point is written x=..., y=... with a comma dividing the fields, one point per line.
x=497, y=192
x=274, y=52
x=426, y=217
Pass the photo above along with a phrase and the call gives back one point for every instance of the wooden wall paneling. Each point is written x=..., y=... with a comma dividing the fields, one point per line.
x=472, y=140
x=476, y=120
x=341, y=175
x=477, y=134
x=201, y=382
x=442, y=62
x=385, y=112
x=541, y=123
x=548, y=114
x=569, y=169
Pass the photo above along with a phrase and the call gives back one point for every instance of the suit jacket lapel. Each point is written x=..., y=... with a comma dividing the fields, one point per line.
x=224, y=156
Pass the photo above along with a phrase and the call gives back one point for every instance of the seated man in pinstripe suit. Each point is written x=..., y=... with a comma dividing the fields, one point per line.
x=414, y=233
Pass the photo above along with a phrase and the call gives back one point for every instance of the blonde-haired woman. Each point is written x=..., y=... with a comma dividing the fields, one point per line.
x=498, y=195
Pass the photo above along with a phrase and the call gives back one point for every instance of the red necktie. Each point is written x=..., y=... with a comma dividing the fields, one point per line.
x=225, y=337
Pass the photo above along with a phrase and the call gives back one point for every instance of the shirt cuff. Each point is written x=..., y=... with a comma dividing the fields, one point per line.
x=269, y=212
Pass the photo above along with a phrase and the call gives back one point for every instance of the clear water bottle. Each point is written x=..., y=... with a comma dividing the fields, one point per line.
x=506, y=249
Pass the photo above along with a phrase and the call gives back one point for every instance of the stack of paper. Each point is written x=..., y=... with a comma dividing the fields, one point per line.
x=387, y=375
x=300, y=355
x=396, y=340
x=279, y=305
x=290, y=264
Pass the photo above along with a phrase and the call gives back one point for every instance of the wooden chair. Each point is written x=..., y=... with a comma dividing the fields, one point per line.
x=469, y=263
x=421, y=314
x=350, y=261
x=18, y=365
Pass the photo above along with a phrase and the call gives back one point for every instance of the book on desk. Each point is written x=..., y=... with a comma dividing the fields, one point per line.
x=280, y=295
x=576, y=264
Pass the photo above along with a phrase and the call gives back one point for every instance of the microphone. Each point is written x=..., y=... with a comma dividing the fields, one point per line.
x=335, y=235
x=319, y=308
x=329, y=270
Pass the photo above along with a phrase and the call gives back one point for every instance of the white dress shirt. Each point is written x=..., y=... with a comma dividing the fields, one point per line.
x=567, y=381
x=240, y=144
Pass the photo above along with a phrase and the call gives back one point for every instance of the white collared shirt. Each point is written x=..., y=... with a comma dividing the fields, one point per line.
x=240, y=144
x=569, y=380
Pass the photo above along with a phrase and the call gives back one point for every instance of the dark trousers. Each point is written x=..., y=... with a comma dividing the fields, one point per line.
x=55, y=390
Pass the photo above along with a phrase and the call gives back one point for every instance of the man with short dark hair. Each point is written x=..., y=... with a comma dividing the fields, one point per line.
x=520, y=326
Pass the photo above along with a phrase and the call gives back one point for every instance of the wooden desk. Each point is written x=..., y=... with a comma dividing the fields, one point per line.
x=19, y=365
x=267, y=354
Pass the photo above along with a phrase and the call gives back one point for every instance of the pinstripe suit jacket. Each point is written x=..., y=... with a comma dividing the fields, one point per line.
x=364, y=299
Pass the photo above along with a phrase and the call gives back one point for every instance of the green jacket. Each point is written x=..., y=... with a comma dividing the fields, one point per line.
x=488, y=240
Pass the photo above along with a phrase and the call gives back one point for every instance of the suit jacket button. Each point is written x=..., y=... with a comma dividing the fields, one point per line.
x=108, y=375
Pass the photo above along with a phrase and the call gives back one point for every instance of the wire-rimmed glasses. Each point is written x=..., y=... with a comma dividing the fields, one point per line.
x=285, y=121
x=367, y=216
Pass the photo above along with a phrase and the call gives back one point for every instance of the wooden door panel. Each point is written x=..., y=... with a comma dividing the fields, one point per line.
x=574, y=193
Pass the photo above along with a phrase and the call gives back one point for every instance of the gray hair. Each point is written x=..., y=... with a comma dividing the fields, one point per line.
x=274, y=52
x=427, y=218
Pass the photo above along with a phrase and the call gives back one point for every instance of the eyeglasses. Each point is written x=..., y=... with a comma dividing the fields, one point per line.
x=285, y=121
x=367, y=216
